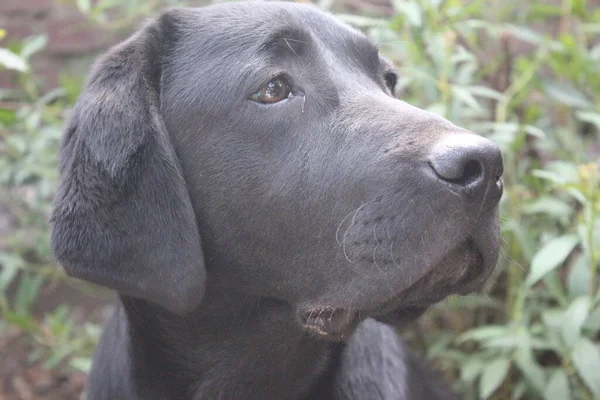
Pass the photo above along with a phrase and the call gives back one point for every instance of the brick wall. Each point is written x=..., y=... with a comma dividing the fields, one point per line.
x=72, y=40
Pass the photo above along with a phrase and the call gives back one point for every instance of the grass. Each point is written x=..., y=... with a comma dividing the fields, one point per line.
x=534, y=332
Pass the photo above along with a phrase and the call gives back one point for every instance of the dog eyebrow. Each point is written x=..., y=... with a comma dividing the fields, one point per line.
x=368, y=52
x=286, y=40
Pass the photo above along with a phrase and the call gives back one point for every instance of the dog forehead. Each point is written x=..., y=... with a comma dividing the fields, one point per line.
x=245, y=26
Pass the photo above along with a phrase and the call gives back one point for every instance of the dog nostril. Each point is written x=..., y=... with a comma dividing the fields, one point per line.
x=459, y=174
x=471, y=173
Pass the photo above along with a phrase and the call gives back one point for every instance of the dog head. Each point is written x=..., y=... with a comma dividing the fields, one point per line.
x=261, y=145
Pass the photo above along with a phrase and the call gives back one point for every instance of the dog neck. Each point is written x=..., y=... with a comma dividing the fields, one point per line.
x=232, y=347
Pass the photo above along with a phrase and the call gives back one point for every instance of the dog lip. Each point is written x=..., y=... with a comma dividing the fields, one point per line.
x=336, y=323
x=420, y=295
x=329, y=322
x=403, y=314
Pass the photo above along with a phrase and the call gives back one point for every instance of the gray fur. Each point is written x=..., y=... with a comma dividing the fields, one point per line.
x=264, y=251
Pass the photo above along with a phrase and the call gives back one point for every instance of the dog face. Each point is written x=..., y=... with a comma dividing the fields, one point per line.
x=260, y=144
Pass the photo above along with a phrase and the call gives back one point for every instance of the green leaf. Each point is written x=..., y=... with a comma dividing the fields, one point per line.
x=567, y=95
x=579, y=8
x=523, y=236
x=575, y=317
x=545, y=10
x=535, y=131
x=92, y=330
x=471, y=369
x=471, y=302
x=16, y=144
x=550, y=176
x=411, y=10
x=519, y=390
x=33, y=45
x=510, y=341
x=526, y=34
x=556, y=288
x=552, y=206
x=51, y=96
x=558, y=387
x=84, y=6
x=484, y=91
x=551, y=256
x=589, y=116
x=593, y=321
x=9, y=266
x=492, y=377
x=569, y=170
x=27, y=292
x=465, y=97
x=577, y=195
x=553, y=319
x=81, y=363
x=578, y=281
x=23, y=321
x=586, y=358
x=440, y=346
x=483, y=333
x=530, y=369
x=362, y=22
x=7, y=116
x=10, y=60
x=56, y=357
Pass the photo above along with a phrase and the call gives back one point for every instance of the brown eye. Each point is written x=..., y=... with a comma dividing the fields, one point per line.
x=275, y=90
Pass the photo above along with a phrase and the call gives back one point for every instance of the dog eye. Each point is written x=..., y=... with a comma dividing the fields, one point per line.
x=390, y=80
x=275, y=90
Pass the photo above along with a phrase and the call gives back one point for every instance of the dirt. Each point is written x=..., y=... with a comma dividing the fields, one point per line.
x=21, y=379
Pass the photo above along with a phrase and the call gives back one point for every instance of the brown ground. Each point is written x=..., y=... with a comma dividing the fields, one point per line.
x=21, y=379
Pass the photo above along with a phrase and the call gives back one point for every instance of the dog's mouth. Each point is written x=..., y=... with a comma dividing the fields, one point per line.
x=331, y=323
x=338, y=323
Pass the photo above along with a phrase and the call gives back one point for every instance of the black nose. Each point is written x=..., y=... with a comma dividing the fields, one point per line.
x=471, y=164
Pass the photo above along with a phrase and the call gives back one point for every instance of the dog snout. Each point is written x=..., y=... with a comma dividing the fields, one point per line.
x=471, y=164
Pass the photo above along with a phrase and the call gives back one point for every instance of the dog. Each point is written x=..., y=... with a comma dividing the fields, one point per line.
x=269, y=213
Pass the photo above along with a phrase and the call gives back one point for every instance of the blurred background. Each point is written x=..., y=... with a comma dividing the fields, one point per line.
x=524, y=73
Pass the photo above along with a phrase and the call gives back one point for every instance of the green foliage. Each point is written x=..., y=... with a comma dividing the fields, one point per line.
x=542, y=106
x=30, y=131
x=533, y=333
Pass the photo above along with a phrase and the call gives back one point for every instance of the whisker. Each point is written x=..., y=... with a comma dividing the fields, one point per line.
x=291, y=48
x=392, y=254
x=375, y=261
x=294, y=40
x=485, y=194
x=337, y=231
x=348, y=229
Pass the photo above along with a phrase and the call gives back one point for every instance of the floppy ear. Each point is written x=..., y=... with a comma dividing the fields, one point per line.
x=122, y=216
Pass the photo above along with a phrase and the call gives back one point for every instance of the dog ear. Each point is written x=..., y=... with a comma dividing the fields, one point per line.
x=122, y=216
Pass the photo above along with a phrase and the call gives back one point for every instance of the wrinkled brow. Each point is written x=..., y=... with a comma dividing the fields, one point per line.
x=367, y=52
x=284, y=41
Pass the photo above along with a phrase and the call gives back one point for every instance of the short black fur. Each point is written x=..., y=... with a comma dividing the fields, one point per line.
x=266, y=251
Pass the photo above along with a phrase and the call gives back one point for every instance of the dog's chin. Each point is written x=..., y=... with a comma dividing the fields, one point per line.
x=338, y=324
